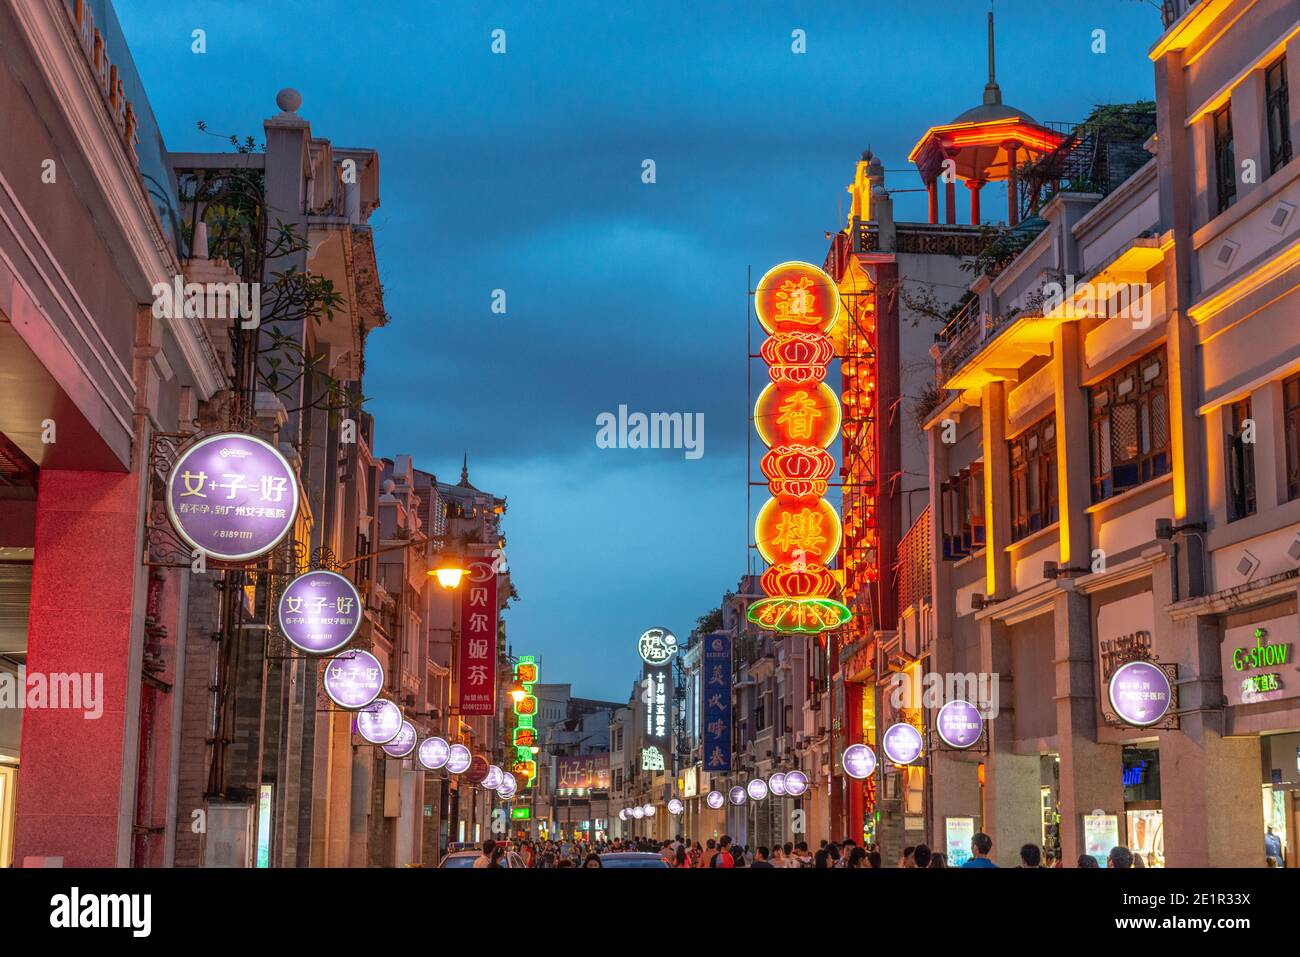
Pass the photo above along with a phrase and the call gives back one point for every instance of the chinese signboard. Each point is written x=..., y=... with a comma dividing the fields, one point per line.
x=232, y=497
x=652, y=759
x=320, y=612
x=525, y=732
x=478, y=639
x=958, y=834
x=354, y=679
x=715, y=691
x=379, y=722
x=859, y=761
x=902, y=743
x=959, y=724
x=589, y=772
x=1100, y=835
x=797, y=416
x=1259, y=662
x=434, y=753
x=1140, y=693
x=656, y=647
x=403, y=744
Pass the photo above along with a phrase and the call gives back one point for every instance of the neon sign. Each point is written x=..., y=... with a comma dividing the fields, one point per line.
x=525, y=732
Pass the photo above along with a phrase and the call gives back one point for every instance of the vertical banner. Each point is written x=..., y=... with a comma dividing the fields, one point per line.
x=478, y=639
x=717, y=703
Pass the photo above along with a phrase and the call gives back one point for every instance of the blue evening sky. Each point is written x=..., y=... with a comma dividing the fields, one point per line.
x=522, y=172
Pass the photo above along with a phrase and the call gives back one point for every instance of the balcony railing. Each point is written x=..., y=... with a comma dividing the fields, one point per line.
x=912, y=573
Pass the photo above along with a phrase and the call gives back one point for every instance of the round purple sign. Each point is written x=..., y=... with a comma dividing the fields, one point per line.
x=737, y=795
x=622, y=815
x=509, y=785
x=320, y=612
x=715, y=799
x=776, y=784
x=354, y=679
x=458, y=759
x=379, y=722
x=675, y=806
x=756, y=789
x=1140, y=693
x=403, y=744
x=902, y=743
x=232, y=496
x=638, y=812
x=434, y=753
x=959, y=724
x=859, y=761
x=796, y=782
x=492, y=780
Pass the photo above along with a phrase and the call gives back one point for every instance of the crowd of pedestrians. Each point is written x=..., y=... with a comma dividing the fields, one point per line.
x=724, y=852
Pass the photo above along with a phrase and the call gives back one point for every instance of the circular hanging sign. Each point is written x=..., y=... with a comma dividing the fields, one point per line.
x=902, y=743
x=458, y=759
x=756, y=789
x=638, y=813
x=1140, y=693
x=656, y=646
x=492, y=780
x=649, y=810
x=737, y=795
x=959, y=724
x=715, y=799
x=796, y=782
x=622, y=815
x=478, y=769
x=797, y=297
x=354, y=679
x=320, y=612
x=509, y=785
x=675, y=806
x=776, y=784
x=858, y=761
x=380, y=721
x=434, y=753
x=232, y=496
x=403, y=744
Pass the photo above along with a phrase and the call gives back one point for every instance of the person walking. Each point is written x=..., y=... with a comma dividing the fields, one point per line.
x=1272, y=845
x=937, y=859
x=921, y=856
x=857, y=857
x=1119, y=858
x=760, y=858
x=593, y=860
x=683, y=859
x=709, y=854
x=981, y=845
x=485, y=858
x=723, y=858
x=1031, y=856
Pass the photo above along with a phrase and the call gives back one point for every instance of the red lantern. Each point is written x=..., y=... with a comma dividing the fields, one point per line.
x=797, y=358
x=797, y=471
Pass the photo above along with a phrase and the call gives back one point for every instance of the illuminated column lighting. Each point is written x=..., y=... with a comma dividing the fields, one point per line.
x=797, y=416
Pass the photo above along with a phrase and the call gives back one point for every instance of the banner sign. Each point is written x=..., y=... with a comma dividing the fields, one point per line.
x=320, y=612
x=232, y=496
x=478, y=639
x=1140, y=693
x=589, y=772
x=716, y=694
x=958, y=834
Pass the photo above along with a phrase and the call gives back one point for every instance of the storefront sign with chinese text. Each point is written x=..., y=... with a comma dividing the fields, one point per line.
x=1140, y=693
x=715, y=674
x=959, y=724
x=902, y=743
x=478, y=639
x=354, y=679
x=380, y=721
x=320, y=612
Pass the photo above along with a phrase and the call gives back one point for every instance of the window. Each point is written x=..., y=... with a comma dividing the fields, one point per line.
x=1225, y=162
x=1033, y=478
x=1291, y=422
x=760, y=713
x=962, y=498
x=1130, y=426
x=1240, y=463
x=1277, y=115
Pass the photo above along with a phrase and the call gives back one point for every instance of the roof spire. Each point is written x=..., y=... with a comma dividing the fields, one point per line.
x=464, y=471
x=992, y=92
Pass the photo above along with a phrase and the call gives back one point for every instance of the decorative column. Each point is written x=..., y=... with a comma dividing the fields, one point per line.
x=932, y=196
x=974, y=185
x=1013, y=208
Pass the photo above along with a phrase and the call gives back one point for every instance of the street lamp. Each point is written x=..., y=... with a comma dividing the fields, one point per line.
x=449, y=571
x=518, y=693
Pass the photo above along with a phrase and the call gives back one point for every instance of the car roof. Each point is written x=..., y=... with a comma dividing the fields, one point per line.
x=632, y=854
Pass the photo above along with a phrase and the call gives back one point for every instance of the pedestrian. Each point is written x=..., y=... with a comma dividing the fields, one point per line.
x=1272, y=845
x=873, y=859
x=937, y=859
x=1087, y=860
x=593, y=860
x=738, y=855
x=833, y=852
x=695, y=854
x=683, y=859
x=723, y=857
x=857, y=857
x=1031, y=856
x=485, y=858
x=709, y=854
x=921, y=856
x=980, y=847
x=906, y=859
x=499, y=856
x=802, y=854
x=1119, y=858
x=821, y=858
x=760, y=857
x=787, y=851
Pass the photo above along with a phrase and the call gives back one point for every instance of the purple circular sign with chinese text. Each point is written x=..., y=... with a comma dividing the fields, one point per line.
x=902, y=743
x=434, y=753
x=509, y=785
x=715, y=799
x=859, y=761
x=1140, y=693
x=354, y=679
x=959, y=724
x=737, y=795
x=459, y=759
x=776, y=784
x=492, y=780
x=796, y=782
x=756, y=789
x=320, y=612
x=403, y=744
x=232, y=496
x=379, y=722
x=675, y=806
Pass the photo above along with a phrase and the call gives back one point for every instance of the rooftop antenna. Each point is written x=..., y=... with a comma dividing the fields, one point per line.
x=992, y=92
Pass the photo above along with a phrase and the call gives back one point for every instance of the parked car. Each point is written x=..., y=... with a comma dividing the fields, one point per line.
x=467, y=859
